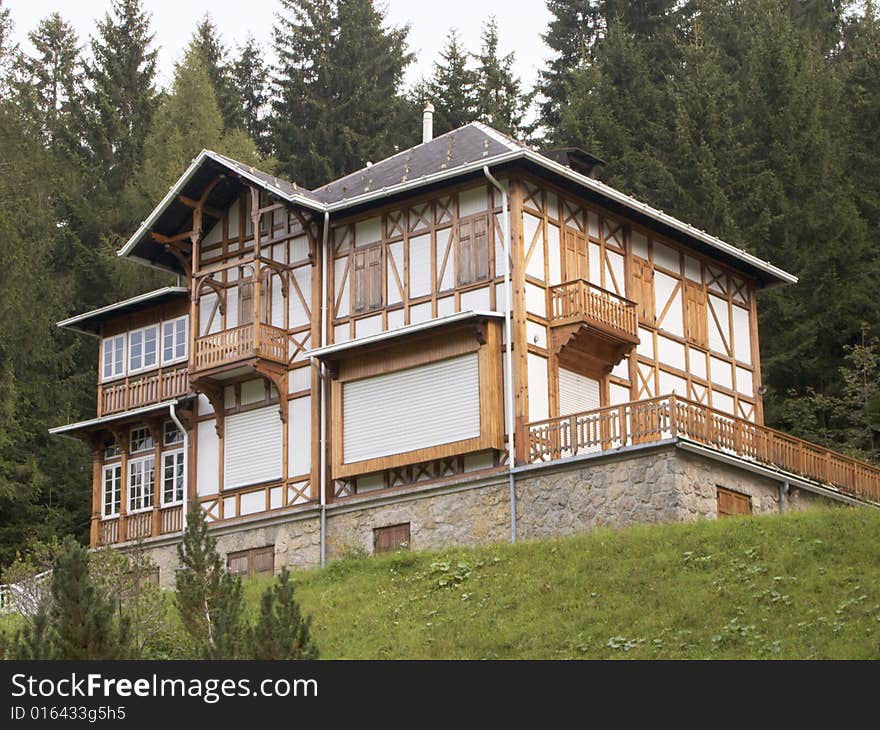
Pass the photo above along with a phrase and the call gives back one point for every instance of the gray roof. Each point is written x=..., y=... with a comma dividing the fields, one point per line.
x=468, y=144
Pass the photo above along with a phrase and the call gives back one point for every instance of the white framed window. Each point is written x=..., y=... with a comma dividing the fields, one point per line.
x=111, y=490
x=142, y=348
x=114, y=357
x=174, y=337
x=141, y=439
x=171, y=435
x=141, y=474
x=172, y=478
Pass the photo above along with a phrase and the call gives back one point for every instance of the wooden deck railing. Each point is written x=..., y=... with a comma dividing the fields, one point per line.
x=240, y=343
x=580, y=300
x=671, y=416
x=141, y=525
x=139, y=391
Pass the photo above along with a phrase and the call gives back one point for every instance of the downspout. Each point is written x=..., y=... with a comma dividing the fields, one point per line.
x=784, y=488
x=323, y=477
x=172, y=409
x=508, y=351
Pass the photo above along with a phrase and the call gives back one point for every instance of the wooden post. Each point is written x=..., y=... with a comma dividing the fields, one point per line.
x=156, y=430
x=122, y=438
x=97, y=492
x=520, y=349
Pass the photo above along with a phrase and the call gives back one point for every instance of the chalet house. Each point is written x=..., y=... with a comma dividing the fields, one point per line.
x=471, y=340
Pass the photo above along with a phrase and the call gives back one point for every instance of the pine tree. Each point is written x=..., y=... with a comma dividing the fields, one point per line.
x=499, y=98
x=337, y=102
x=208, y=599
x=251, y=79
x=281, y=632
x=49, y=83
x=122, y=97
x=79, y=622
x=451, y=88
x=209, y=45
x=187, y=121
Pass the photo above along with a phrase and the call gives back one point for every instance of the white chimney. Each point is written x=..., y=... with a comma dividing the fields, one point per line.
x=428, y=123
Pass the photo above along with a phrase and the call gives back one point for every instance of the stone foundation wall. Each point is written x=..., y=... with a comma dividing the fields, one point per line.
x=658, y=484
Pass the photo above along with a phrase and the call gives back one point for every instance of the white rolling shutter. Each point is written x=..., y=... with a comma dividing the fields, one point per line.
x=411, y=409
x=252, y=445
x=577, y=393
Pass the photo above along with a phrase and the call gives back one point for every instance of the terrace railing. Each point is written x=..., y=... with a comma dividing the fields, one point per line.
x=671, y=416
x=137, y=391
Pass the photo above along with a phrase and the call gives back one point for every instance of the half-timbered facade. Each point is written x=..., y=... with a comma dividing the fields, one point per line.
x=386, y=334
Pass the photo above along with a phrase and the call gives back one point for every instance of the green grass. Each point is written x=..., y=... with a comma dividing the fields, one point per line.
x=796, y=586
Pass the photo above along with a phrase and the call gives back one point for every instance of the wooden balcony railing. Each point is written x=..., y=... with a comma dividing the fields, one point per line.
x=142, y=390
x=671, y=416
x=579, y=300
x=140, y=525
x=240, y=343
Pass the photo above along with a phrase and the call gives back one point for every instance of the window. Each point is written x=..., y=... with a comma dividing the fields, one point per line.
x=140, y=484
x=251, y=562
x=110, y=495
x=472, y=249
x=366, y=285
x=114, y=356
x=391, y=538
x=174, y=334
x=142, y=348
x=172, y=478
x=141, y=440
x=732, y=503
x=171, y=434
x=111, y=449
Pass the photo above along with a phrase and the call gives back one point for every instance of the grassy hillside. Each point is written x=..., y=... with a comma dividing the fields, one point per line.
x=794, y=586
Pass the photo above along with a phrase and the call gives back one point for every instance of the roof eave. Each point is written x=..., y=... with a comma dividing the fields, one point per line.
x=174, y=191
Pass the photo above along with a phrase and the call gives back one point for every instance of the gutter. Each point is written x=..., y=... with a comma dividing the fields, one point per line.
x=508, y=345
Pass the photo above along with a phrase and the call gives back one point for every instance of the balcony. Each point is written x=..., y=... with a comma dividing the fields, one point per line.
x=137, y=526
x=137, y=391
x=593, y=324
x=668, y=417
x=240, y=344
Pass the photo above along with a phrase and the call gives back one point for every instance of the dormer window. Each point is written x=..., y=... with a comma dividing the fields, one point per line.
x=142, y=348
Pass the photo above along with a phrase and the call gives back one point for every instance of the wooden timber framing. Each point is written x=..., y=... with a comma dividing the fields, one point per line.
x=615, y=266
x=257, y=268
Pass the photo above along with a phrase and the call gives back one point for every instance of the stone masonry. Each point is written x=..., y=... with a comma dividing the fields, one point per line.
x=648, y=485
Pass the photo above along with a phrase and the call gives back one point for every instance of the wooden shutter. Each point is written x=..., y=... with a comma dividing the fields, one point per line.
x=732, y=503
x=263, y=560
x=480, y=248
x=246, y=303
x=391, y=538
x=643, y=289
x=465, y=253
x=576, y=261
x=697, y=315
x=473, y=249
x=366, y=285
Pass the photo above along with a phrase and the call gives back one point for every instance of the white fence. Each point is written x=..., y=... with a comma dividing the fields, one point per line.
x=25, y=596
